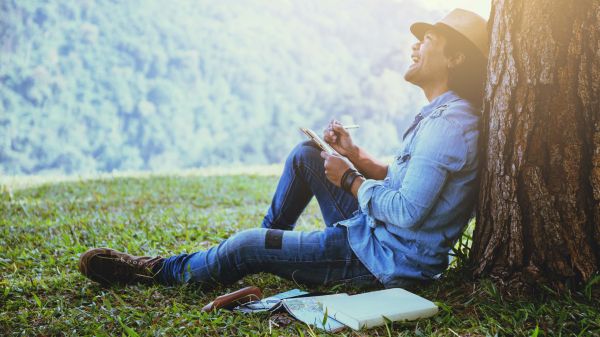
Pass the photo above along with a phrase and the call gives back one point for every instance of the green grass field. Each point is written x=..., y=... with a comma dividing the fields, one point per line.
x=45, y=226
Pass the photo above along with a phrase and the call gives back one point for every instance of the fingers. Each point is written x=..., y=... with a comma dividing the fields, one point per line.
x=333, y=130
x=329, y=136
x=332, y=123
x=337, y=126
x=328, y=157
x=340, y=128
x=328, y=133
x=325, y=156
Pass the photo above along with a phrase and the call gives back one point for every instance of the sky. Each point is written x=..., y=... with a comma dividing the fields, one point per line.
x=481, y=7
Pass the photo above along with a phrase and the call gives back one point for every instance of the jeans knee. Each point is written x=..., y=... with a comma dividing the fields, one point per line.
x=304, y=152
x=243, y=244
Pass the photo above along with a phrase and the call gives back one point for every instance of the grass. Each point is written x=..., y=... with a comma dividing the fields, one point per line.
x=45, y=226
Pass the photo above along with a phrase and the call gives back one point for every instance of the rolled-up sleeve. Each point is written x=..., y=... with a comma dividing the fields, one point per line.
x=440, y=149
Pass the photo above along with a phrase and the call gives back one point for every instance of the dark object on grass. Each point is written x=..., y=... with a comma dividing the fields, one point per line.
x=108, y=266
x=272, y=303
x=230, y=300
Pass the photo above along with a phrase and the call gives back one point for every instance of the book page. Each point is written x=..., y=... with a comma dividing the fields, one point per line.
x=310, y=311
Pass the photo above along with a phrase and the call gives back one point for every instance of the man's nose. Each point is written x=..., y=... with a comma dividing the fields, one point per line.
x=416, y=46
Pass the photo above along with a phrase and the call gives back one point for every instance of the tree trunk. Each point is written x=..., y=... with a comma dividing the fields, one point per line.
x=538, y=218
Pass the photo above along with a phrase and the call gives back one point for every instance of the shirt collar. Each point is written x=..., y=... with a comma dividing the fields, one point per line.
x=436, y=102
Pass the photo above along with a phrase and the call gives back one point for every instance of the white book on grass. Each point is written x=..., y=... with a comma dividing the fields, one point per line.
x=371, y=309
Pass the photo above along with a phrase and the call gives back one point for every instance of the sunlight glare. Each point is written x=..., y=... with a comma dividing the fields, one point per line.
x=481, y=7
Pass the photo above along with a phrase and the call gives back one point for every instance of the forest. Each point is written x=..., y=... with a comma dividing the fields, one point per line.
x=99, y=86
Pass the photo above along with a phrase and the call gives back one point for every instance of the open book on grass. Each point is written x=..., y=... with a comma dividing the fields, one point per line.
x=309, y=311
x=374, y=308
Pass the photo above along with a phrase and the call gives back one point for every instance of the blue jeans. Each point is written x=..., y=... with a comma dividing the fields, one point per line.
x=313, y=258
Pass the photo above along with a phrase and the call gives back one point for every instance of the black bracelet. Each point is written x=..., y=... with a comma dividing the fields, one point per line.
x=344, y=177
x=352, y=178
x=348, y=179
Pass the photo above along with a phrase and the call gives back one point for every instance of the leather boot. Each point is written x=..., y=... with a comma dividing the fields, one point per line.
x=108, y=266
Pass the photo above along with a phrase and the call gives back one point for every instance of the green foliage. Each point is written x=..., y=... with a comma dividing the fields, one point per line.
x=95, y=85
x=44, y=229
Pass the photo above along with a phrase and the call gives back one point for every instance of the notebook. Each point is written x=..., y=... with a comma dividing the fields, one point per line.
x=371, y=309
x=320, y=142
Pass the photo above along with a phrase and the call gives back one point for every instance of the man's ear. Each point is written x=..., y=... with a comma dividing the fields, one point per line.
x=456, y=60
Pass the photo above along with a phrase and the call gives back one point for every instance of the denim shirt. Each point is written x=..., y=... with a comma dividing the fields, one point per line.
x=407, y=223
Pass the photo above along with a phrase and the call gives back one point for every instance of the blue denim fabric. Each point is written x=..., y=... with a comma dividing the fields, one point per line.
x=408, y=222
x=315, y=258
x=312, y=258
x=304, y=176
x=401, y=230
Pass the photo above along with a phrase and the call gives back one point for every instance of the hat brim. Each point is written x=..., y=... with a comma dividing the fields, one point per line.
x=418, y=29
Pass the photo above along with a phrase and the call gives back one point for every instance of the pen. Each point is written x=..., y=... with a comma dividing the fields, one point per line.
x=352, y=126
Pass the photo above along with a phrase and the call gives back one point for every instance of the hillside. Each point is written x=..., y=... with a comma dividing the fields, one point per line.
x=99, y=86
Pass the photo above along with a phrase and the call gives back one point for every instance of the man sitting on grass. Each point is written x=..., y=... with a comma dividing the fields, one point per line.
x=384, y=224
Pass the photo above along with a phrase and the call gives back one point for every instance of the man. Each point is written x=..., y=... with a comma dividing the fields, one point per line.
x=385, y=224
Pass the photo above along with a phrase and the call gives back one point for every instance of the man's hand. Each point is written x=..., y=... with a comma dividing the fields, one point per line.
x=335, y=166
x=339, y=139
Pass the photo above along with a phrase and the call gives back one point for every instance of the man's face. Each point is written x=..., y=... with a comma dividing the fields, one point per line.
x=430, y=65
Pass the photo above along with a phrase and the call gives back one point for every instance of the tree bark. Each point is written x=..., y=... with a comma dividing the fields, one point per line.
x=538, y=218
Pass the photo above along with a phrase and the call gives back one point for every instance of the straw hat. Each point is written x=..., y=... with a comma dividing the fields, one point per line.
x=462, y=24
